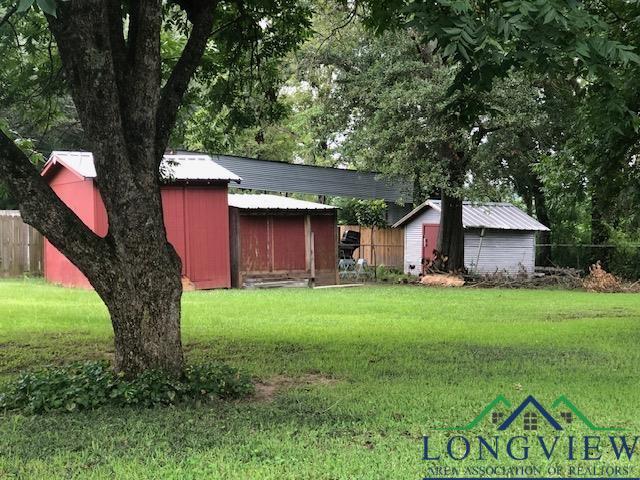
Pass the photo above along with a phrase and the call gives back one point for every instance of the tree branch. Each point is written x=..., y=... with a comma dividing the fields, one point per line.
x=176, y=86
x=41, y=208
x=83, y=38
x=5, y=18
x=118, y=45
x=141, y=93
x=144, y=51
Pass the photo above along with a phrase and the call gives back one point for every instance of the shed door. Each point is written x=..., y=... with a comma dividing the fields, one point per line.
x=429, y=239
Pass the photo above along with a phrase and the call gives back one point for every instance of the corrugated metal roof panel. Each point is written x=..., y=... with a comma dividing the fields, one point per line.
x=79, y=162
x=494, y=215
x=284, y=177
x=177, y=167
x=273, y=202
x=196, y=167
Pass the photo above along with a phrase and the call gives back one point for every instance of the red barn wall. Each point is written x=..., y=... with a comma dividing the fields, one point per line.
x=79, y=195
x=325, y=234
x=288, y=243
x=196, y=219
x=174, y=215
x=255, y=244
x=272, y=243
x=207, y=235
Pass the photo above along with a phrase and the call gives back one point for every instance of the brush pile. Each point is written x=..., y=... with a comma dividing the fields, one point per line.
x=599, y=280
x=566, y=279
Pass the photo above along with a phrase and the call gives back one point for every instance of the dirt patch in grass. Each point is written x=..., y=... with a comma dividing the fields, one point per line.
x=267, y=390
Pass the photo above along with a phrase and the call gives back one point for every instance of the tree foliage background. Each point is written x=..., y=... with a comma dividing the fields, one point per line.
x=542, y=96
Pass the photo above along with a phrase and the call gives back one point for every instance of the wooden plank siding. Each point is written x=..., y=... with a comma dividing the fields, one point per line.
x=379, y=246
x=276, y=245
x=21, y=246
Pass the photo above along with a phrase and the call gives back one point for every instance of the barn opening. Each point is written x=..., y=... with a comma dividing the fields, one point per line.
x=275, y=238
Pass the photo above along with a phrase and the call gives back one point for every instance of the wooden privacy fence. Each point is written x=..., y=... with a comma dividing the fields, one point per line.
x=21, y=246
x=379, y=246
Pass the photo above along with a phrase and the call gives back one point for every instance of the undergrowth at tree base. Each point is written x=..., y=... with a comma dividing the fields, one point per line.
x=91, y=385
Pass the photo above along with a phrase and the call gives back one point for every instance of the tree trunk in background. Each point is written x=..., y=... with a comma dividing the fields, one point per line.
x=543, y=253
x=419, y=195
x=451, y=233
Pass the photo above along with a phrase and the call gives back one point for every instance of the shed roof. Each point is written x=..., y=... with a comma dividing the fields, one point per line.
x=182, y=167
x=272, y=202
x=493, y=215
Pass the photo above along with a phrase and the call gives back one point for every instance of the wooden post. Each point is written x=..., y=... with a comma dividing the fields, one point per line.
x=234, y=244
x=313, y=259
x=336, y=236
x=307, y=242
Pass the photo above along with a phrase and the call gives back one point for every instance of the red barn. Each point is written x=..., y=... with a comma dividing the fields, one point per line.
x=196, y=214
x=281, y=238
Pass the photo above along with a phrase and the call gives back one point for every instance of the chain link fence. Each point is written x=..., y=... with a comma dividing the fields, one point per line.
x=621, y=260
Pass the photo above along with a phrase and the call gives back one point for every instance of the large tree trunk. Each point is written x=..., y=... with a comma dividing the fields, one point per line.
x=115, y=81
x=143, y=287
x=451, y=235
x=145, y=313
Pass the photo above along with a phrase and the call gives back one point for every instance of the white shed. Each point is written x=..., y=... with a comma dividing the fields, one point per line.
x=498, y=237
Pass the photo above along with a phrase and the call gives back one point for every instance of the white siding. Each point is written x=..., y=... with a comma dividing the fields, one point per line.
x=413, y=240
x=509, y=251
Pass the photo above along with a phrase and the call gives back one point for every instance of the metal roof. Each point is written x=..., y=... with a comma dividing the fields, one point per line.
x=274, y=176
x=493, y=215
x=173, y=167
x=272, y=202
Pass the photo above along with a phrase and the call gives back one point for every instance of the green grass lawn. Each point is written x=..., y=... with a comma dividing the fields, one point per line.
x=365, y=373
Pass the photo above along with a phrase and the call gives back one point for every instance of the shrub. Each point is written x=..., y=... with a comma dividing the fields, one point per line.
x=90, y=385
x=393, y=275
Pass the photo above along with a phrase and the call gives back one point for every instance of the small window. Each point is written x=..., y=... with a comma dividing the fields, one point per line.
x=530, y=421
x=567, y=416
x=496, y=417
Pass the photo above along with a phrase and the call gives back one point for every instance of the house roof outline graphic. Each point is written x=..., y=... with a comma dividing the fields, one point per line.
x=563, y=400
x=530, y=401
x=499, y=400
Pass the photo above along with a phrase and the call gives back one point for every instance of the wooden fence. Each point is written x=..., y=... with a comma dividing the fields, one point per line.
x=379, y=246
x=21, y=246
